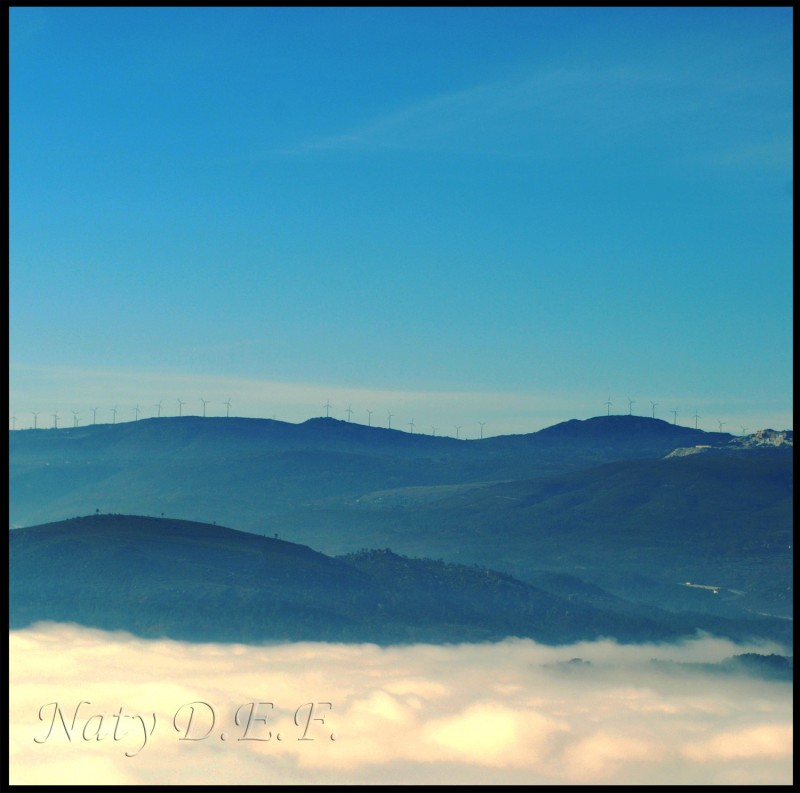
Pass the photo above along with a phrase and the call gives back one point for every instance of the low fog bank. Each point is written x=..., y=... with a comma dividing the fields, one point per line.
x=92, y=707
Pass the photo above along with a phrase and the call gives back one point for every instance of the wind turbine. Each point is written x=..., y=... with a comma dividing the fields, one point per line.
x=349, y=412
x=744, y=430
x=180, y=407
x=327, y=407
x=75, y=414
x=608, y=405
x=369, y=417
x=55, y=419
x=481, y=423
x=458, y=427
x=158, y=405
x=631, y=403
x=94, y=415
x=205, y=402
x=136, y=412
x=675, y=414
x=390, y=414
x=434, y=430
x=14, y=421
x=114, y=412
x=35, y=416
x=695, y=418
x=654, y=407
x=227, y=408
x=412, y=425
x=721, y=424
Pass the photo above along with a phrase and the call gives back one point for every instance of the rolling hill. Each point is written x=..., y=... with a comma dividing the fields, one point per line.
x=198, y=582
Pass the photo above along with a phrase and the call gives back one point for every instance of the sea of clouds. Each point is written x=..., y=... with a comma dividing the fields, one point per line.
x=93, y=707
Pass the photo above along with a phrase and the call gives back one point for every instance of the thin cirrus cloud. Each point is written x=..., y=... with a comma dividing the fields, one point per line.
x=489, y=114
x=560, y=112
x=511, y=712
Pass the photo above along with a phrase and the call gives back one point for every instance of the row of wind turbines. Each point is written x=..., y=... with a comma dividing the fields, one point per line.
x=136, y=410
x=389, y=416
x=674, y=411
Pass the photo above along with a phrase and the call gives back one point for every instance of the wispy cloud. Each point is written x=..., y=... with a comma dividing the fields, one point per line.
x=677, y=105
x=513, y=712
x=521, y=111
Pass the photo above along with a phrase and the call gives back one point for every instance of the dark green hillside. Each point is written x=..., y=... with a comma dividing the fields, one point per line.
x=425, y=591
x=198, y=582
x=181, y=579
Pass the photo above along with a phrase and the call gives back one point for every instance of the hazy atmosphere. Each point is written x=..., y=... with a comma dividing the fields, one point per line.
x=455, y=216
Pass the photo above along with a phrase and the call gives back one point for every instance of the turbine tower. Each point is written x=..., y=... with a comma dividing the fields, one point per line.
x=721, y=424
x=482, y=424
x=158, y=405
x=94, y=415
x=114, y=413
x=412, y=425
x=744, y=430
x=180, y=407
x=327, y=407
x=349, y=412
x=695, y=418
x=227, y=408
x=654, y=407
x=205, y=402
x=55, y=420
x=608, y=405
x=369, y=417
x=458, y=428
x=14, y=421
x=136, y=412
x=75, y=414
x=675, y=414
x=631, y=403
x=35, y=416
x=390, y=414
x=434, y=430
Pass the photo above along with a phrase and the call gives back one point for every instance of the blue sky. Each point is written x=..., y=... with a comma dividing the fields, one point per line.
x=453, y=215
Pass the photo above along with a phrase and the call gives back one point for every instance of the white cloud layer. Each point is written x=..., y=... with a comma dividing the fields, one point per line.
x=511, y=712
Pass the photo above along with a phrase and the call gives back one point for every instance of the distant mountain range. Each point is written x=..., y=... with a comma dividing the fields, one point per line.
x=607, y=506
x=243, y=471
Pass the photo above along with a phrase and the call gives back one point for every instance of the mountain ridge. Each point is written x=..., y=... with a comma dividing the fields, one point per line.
x=236, y=470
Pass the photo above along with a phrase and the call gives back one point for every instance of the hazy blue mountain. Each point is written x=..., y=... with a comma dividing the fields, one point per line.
x=638, y=528
x=199, y=582
x=242, y=471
